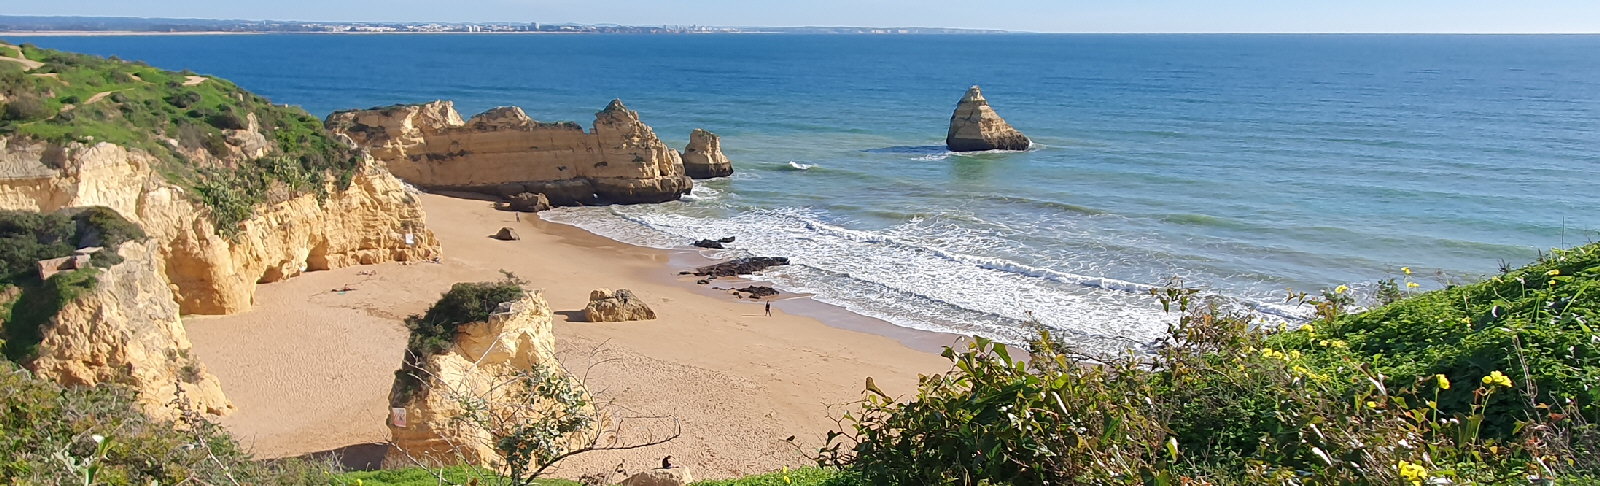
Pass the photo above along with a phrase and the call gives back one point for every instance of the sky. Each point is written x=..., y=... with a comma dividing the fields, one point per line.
x=1456, y=16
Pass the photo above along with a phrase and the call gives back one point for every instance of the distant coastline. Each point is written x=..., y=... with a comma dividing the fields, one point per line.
x=31, y=25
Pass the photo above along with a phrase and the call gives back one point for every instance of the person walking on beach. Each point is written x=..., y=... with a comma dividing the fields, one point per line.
x=769, y=309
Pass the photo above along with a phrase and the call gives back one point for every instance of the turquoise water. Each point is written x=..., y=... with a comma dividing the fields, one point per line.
x=1244, y=164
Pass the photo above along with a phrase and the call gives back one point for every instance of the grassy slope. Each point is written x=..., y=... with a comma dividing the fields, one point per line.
x=1535, y=324
x=151, y=109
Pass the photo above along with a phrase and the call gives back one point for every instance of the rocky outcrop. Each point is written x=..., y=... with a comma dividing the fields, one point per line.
x=703, y=158
x=527, y=202
x=373, y=221
x=976, y=127
x=503, y=152
x=620, y=306
x=506, y=234
x=741, y=266
x=126, y=330
x=516, y=338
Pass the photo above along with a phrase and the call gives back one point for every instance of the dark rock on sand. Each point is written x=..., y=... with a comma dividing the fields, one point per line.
x=713, y=244
x=742, y=266
x=758, y=291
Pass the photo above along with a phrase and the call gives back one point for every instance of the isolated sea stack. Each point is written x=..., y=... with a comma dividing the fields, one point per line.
x=975, y=127
x=703, y=158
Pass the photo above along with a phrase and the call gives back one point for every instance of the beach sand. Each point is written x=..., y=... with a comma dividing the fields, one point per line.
x=309, y=368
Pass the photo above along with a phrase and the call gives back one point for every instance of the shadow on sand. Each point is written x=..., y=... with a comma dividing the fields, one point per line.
x=358, y=457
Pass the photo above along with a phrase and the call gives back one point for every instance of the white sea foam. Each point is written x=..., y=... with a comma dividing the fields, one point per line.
x=903, y=275
x=799, y=166
x=702, y=192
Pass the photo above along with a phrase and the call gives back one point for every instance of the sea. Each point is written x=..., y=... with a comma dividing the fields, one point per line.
x=1240, y=165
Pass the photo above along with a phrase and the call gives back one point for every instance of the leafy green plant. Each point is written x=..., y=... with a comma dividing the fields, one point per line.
x=99, y=435
x=1408, y=393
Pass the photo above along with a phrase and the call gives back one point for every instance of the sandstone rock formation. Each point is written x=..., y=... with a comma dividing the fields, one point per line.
x=131, y=321
x=516, y=338
x=527, y=202
x=373, y=221
x=507, y=234
x=976, y=127
x=703, y=158
x=126, y=330
x=619, y=306
x=502, y=152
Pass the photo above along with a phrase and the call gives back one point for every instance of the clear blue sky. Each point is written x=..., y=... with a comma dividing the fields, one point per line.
x=1534, y=16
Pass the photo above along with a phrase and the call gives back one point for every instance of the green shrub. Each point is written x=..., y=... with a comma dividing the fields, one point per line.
x=1535, y=324
x=55, y=435
x=149, y=106
x=1408, y=393
x=434, y=331
x=424, y=477
x=810, y=476
x=25, y=108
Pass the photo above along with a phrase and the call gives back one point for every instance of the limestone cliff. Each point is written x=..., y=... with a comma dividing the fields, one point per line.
x=480, y=367
x=976, y=127
x=502, y=152
x=126, y=330
x=366, y=223
x=188, y=159
x=703, y=158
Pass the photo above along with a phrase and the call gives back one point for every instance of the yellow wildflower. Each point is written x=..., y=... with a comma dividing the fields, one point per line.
x=1341, y=289
x=1496, y=378
x=1552, y=282
x=1412, y=472
x=1412, y=285
x=1444, y=383
x=1553, y=273
x=1372, y=404
x=1294, y=354
x=1308, y=328
x=1407, y=270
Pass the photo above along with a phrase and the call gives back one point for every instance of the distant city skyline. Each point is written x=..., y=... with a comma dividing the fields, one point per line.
x=1215, y=16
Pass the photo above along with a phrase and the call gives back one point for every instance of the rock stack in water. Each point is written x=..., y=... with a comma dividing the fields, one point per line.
x=703, y=158
x=975, y=127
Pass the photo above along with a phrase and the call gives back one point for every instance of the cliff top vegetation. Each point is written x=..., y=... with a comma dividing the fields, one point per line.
x=194, y=124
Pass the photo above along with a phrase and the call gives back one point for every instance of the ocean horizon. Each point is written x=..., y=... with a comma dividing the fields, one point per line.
x=1242, y=164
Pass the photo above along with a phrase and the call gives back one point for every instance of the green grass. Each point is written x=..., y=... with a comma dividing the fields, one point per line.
x=1535, y=324
x=809, y=476
x=422, y=477
x=146, y=107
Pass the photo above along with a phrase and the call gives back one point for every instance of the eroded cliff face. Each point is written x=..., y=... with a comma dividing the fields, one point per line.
x=126, y=330
x=503, y=152
x=703, y=158
x=477, y=369
x=366, y=223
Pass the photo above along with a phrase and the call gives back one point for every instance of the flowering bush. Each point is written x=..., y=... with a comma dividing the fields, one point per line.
x=1370, y=398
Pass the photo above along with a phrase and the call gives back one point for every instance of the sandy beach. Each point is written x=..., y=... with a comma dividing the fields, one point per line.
x=309, y=368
